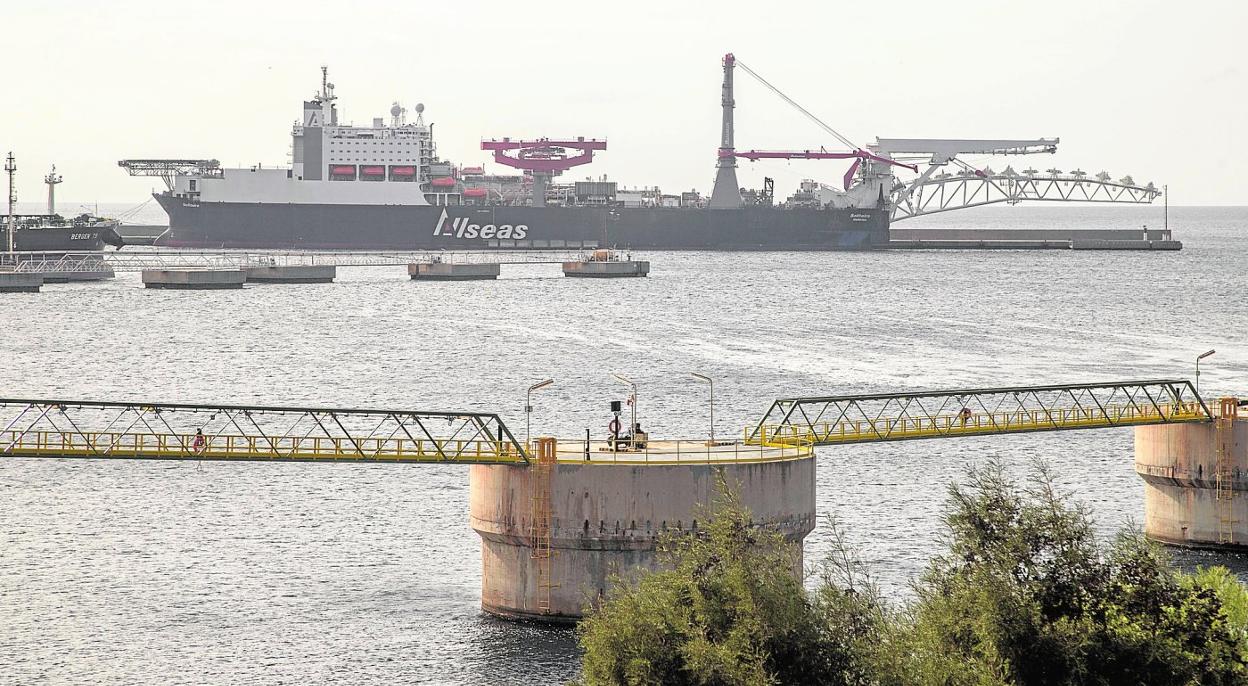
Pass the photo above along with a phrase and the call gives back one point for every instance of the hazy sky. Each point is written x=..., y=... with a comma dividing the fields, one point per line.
x=1155, y=89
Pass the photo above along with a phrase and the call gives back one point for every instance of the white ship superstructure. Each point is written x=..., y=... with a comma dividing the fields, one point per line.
x=332, y=164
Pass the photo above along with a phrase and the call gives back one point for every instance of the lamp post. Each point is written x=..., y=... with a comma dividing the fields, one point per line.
x=708, y=380
x=1198, y=359
x=528, y=406
x=624, y=380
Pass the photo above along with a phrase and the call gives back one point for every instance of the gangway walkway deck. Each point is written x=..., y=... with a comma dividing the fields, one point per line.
x=790, y=429
x=869, y=418
x=242, y=433
x=87, y=429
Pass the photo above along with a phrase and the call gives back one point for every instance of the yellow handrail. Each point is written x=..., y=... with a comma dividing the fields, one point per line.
x=229, y=446
x=899, y=428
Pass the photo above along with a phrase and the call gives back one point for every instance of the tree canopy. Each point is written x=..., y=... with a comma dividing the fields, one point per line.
x=1023, y=594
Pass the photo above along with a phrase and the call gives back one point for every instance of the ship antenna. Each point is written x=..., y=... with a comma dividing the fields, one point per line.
x=10, y=167
x=325, y=82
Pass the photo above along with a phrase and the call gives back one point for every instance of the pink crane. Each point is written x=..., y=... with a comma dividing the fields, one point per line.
x=543, y=157
x=725, y=194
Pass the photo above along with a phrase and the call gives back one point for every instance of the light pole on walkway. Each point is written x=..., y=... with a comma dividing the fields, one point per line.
x=711, y=383
x=528, y=407
x=1198, y=359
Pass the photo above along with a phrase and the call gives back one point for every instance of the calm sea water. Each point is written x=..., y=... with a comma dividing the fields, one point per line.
x=126, y=573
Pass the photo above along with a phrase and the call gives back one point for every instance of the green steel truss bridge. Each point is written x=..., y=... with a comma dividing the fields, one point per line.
x=835, y=420
x=165, y=431
x=87, y=429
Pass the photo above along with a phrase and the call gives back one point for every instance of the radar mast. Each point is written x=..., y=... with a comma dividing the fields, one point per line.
x=326, y=96
x=52, y=179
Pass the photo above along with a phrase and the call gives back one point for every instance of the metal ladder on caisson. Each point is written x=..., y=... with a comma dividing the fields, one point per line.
x=1223, y=438
x=542, y=470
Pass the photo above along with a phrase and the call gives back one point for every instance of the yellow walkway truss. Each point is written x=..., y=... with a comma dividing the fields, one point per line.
x=86, y=429
x=976, y=412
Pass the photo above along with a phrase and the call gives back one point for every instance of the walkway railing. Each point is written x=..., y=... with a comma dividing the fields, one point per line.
x=977, y=412
x=685, y=452
x=252, y=448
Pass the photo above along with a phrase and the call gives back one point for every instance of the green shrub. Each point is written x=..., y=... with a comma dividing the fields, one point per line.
x=1023, y=595
x=1026, y=595
x=726, y=609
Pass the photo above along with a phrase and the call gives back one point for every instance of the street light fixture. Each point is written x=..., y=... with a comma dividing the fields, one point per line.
x=632, y=428
x=1198, y=359
x=708, y=380
x=528, y=406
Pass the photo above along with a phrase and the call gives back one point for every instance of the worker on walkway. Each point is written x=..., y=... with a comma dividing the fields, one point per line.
x=965, y=415
x=199, y=442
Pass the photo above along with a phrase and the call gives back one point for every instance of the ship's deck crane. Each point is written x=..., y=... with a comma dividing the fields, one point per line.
x=167, y=170
x=930, y=192
x=726, y=194
x=544, y=158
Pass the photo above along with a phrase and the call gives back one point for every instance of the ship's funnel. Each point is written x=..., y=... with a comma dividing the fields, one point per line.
x=726, y=195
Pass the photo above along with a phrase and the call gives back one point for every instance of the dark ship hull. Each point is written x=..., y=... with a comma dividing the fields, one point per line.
x=400, y=227
x=61, y=239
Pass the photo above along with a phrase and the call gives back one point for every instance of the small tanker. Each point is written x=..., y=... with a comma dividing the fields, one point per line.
x=51, y=232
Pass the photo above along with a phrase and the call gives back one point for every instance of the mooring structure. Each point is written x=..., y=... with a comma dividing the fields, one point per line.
x=557, y=518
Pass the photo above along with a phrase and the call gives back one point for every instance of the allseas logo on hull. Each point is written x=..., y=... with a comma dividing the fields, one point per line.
x=856, y=217
x=462, y=227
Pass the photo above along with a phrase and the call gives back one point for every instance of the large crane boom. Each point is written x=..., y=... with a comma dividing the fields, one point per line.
x=943, y=150
x=726, y=194
x=857, y=155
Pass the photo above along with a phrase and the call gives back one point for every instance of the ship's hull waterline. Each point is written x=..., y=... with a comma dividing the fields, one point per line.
x=61, y=239
x=405, y=227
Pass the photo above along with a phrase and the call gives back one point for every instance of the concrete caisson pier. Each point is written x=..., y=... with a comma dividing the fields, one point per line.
x=605, y=517
x=596, y=269
x=450, y=271
x=1094, y=244
x=20, y=282
x=194, y=279
x=292, y=274
x=1196, y=480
